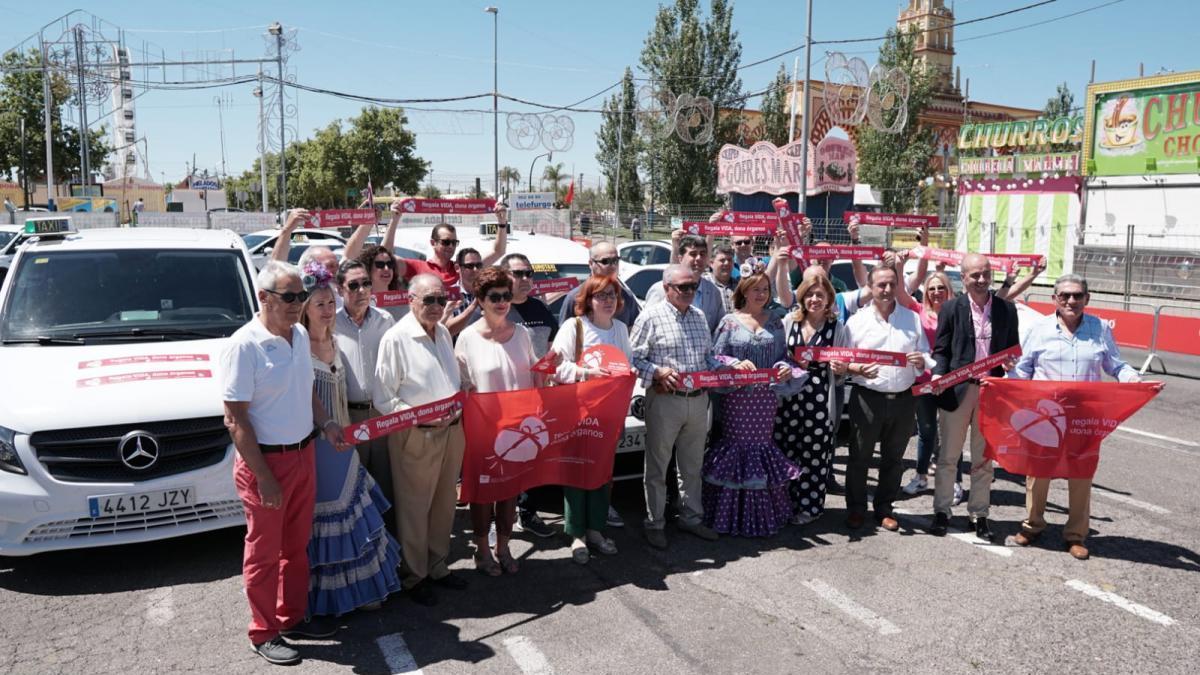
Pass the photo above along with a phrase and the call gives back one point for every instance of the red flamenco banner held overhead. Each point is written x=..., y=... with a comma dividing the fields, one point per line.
x=565, y=435
x=1053, y=429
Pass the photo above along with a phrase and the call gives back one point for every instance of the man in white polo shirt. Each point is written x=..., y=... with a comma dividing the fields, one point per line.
x=270, y=410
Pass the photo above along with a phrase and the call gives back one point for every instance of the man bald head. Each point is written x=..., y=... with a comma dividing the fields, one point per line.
x=977, y=276
x=603, y=259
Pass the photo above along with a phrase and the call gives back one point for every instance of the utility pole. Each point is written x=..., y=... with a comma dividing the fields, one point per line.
x=262, y=139
x=47, y=106
x=24, y=169
x=220, y=101
x=804, y=130
x=84, y=159
x=495, y=12
x=277, y=30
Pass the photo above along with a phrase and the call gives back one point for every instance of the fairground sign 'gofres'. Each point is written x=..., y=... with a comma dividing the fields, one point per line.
x=832, y=167
x=1021, y=133
x=1144, y=126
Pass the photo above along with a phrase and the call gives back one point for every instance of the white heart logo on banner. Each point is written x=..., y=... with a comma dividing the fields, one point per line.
x=523, y=443
x=1045, y=426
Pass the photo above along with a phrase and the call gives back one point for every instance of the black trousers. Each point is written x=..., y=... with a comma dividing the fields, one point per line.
x=886, y=420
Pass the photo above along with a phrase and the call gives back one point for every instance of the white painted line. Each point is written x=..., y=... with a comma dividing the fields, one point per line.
x=529, y=658
x=1127, y=605
x=1169, y=439
x=838, y=599
x=976, y=542
x=396, y=655
x=160, y=606
x=1124, y=499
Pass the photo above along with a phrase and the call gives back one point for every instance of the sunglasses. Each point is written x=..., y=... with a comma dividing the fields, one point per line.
x=1071, y=296
x=471, y=266
x=611, y=260
x=742, y=242
x=355, y=286
x=686, y=288
x=439, y=299
x=290, y=296
x=385, y=264
x=448, y=242
x=522, y=274
x=497, y=298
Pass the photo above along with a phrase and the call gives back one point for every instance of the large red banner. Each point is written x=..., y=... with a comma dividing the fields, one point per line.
x=560, y=285
x=1050, y=429
x=449, y=206
x=955, y=258
x=567, y=435
x=892, y=219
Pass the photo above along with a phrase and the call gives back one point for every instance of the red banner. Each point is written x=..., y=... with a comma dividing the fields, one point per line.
x=462, y=207
x=402, y=298
x=545, y=364
x=147, y=376
x=1018, y=259
x=790, y=222
x=975, y=370
x=1053, y=429
x=146, y=358
x=892, y=219
x=517, y=440
x=726, y=229
x=607, y=357
x=545, y=286
x=402, y=419
x=850, y=355
x=837, y=252
x=343, y=218
x=955, y=258
x=707, y=379
x=751, y=217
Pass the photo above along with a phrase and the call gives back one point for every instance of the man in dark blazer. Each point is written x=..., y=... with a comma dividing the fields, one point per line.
x=971, y=327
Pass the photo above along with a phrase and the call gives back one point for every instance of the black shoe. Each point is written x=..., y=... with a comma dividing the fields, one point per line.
x=982, y=530
x=277, y=651
x=529, y=521
x=452, y=581
x=313, y=628
x=422, y=594
x=941, y=523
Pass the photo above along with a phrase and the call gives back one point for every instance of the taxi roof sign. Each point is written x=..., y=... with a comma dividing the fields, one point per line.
x=45, y=226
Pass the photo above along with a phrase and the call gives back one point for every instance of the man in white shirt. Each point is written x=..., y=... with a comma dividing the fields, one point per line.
x=270, y=409
x=417, y=366
x=882, y=407
x=358, y=328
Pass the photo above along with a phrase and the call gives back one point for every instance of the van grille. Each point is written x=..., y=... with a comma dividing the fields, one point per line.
x=89, y=454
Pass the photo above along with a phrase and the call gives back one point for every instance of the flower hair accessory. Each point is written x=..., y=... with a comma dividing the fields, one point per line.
x=315, y=275
x=752, y=266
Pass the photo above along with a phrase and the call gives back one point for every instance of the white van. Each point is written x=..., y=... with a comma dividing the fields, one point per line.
x=111, y=421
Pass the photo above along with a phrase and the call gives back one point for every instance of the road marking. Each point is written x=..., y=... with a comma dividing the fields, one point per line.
x=160, y=606
x=529, y=658
x=1124, y=499
x=955, y=533
x=396, y=655
x=838, y=599
x=1127, y=605
x=1169, y=439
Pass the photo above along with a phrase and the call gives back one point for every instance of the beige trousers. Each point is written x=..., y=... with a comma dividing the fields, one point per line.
x=679, y=424
x=425, y=465
x=1079, y=503
x=954, y=426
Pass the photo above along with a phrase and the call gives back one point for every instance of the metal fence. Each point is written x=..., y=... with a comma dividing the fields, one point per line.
x=80, y=220
x=1138, y=268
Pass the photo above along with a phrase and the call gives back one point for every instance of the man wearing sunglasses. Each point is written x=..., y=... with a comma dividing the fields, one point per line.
x=443, y=241
x=1070, y=346
x=693, y=254
x=604, y=262
x=358, y=327
x=464, y=311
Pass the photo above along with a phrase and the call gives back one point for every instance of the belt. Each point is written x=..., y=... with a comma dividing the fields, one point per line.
x=688, y=394
x=267, y=449
x=884, y=394
x=434, y=426
x=359, y=406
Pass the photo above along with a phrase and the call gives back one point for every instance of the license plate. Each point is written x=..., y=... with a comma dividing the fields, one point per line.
x=632, y=440
x=142, y=502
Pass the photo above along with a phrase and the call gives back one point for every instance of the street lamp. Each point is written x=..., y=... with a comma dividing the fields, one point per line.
x=549, y=157
x=495, y=12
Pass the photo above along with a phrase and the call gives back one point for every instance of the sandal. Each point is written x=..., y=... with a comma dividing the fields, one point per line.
x=485, y=564
x=507, y=562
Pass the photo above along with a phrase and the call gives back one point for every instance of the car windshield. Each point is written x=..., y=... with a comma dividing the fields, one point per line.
x=140, y=293
x=6, y=237
x=253, y=240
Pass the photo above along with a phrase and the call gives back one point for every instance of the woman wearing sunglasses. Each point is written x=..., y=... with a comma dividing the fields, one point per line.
x=495, y=355
x=381, y=266
x=351, y=555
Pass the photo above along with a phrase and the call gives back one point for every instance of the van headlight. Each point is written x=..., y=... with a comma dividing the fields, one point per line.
x=9, y=461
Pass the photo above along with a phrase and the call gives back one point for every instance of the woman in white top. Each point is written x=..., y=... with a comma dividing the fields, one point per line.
x=495, y=355
x=586, y=511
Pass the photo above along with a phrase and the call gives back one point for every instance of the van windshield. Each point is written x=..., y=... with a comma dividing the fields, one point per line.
x=131, y=295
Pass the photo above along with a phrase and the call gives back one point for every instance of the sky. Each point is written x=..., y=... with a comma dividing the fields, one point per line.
x=557, y=54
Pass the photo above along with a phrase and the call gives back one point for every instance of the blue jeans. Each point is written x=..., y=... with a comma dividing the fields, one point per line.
x=927, y=435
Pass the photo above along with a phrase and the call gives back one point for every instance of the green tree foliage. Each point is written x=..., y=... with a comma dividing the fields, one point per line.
x=686, y=53
x=430, y=191
x=775, y=112
x=555, y=174
x=895, y=163
x=1062, y=104
x=618, y=138
x=510, y=176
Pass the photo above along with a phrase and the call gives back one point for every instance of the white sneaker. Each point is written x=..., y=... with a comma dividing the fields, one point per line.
x=958, y=494
x=916, y=485
x=492, y=535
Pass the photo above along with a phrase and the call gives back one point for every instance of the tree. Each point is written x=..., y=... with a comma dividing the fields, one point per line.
x=508, y=176
x=21, y=98
x=1062, y=104
x=380, y=147
x=553, y=173
x=776, y=113
x=895, y=163
x=618, y=143
x=430, y=191
x=684, y=54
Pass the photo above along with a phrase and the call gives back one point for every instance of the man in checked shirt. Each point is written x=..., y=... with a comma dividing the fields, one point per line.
x=669, y=340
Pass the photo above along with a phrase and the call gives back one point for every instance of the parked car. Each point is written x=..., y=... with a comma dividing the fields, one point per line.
x=645, y=252
x=262, y=241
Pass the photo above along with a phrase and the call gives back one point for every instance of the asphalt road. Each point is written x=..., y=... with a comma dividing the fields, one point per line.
x=812, y=599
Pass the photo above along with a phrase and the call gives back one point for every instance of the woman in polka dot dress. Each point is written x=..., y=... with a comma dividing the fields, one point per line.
x=746, y=476
x=806, y=422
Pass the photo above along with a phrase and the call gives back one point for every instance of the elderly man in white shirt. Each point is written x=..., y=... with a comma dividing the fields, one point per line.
x=417, y=366
x=358, y=328
x=882, y=407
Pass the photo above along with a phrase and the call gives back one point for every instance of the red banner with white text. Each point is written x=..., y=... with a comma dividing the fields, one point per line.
x=343, y=218
x=726, y=229
x=567, y=435
x=464, y=207
x=850, y=355
x=905, y=220
x=1053, y=429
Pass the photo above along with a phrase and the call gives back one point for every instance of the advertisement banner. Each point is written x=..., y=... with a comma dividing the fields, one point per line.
x=466, y=207
x=343, y=218
x=836, y=252
x=748, y=217
x=1143, y=127
x=566, y=435
x=892, y=219
x=1050, y=429
x=849, y=355
x=831, y=168
x=398, y=421
x=955, y=258
x=524, y=201
x=607, y=357
x=724, y=229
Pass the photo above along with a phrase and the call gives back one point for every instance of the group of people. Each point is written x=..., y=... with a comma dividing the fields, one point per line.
x=331, y=529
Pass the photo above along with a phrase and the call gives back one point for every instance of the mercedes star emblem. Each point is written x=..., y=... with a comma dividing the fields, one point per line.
x=138, y=450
